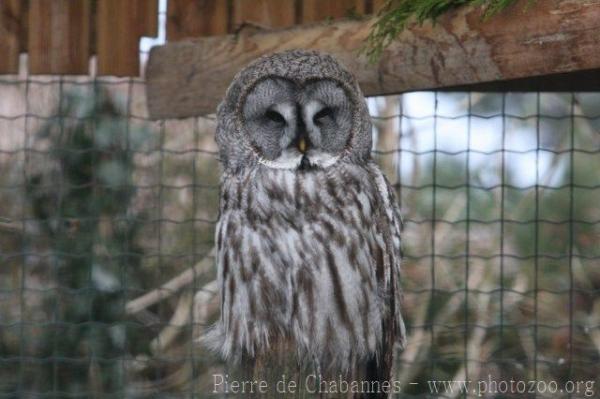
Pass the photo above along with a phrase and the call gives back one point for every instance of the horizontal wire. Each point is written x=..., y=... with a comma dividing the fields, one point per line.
x=493, y=291
x=72, y=255
x=373, y=117
x=66, y=80
x=518, y=326
x=199, y=276
x=100, y=151
x=69, y=255
x=374, y=152
x=118, y=394
x=69, y=359
x=409, y=291
x=117, y=219
x=63, y=118
x=498, y=256
x=113, y=219
x=396, y=185
x=111, y=186
x=95, y=323
x=498, y=221
x=425, y=326
x=496, y=186
x=491, y=152
x=166, y=358
x=485, y=116
x=459, y=357
x=106, y=325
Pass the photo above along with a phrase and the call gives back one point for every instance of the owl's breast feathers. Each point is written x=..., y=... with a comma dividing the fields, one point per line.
x=313, y=257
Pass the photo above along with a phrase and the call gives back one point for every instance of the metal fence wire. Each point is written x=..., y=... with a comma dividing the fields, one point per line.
x=106, y=237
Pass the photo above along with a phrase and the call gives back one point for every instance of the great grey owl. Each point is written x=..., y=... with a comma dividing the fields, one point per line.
x=308, y=236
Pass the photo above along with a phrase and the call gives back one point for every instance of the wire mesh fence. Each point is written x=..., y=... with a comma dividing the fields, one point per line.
x=106, y=237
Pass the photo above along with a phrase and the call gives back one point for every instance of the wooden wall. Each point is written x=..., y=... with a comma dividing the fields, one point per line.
x=61, y=35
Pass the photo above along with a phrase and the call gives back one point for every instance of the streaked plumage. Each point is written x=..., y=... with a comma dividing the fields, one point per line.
x=308, y=244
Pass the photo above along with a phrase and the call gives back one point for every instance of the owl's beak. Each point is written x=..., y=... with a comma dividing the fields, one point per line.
x=302, y=144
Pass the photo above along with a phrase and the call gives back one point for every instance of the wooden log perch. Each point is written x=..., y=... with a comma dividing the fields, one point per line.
x=547, y=37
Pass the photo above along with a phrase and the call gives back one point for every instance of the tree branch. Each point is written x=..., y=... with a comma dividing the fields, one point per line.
x=172, y=286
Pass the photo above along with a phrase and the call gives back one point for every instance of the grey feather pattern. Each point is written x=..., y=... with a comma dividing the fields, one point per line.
x=311, y=256
x=307, y=255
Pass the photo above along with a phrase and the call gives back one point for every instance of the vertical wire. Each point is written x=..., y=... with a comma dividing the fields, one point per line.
x=160, y=222
x=502, y=230
x=24, y=242
x=571, y=232
x=433, y=228
x=59, y=227
x=398, y=153
x=536, y=235
x=126, y=247
x=398, y=170
x=194, y=284
x=94, y=182
x=467, y=237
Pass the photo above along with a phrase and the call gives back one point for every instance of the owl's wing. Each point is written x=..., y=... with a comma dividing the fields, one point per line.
x=391, y=229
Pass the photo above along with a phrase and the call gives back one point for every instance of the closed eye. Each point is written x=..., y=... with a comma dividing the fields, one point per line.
x=275, y=116
x=322, y=115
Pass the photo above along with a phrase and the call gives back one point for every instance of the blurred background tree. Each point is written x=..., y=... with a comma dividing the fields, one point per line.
x=87, y=233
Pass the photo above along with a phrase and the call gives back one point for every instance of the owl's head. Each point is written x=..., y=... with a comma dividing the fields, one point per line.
x=293, y=110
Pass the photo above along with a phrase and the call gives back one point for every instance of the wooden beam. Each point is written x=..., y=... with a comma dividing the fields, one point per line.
x=549, y=37
x=119, y=27
x=319, y=10
x=195, y=18
x=11, y=28
x=148, y=15
x=264, y=13
x=117, y=38
x=378, y=5
x=59, y=36
x=585, y=80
